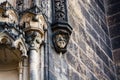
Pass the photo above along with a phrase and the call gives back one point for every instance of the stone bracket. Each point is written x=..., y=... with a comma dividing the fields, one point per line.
x=61, y=36
x=60, y=27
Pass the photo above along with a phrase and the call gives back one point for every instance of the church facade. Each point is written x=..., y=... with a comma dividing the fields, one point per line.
x=59, y=40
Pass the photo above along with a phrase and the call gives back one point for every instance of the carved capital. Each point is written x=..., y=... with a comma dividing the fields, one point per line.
x=33, y=24
x=34, y=39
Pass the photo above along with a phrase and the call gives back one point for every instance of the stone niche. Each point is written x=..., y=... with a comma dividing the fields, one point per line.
x=11, y=44
x=9, y=63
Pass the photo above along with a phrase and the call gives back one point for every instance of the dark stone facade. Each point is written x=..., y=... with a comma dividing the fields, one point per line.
x=113, y=13
x=94, y=43
x=89, y=53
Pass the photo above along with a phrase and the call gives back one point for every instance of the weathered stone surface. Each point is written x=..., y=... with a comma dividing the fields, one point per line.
x=89, y=54
x=116, y=43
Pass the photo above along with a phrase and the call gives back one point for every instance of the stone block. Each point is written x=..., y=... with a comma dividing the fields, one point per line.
x=101, y=54
x=101, y=5
x=114, y=31
x=116, y=55
x=113, y=9
x=90, y=76
x=91, y=31
x=116, y=43
x=74, y=76
x=52, y=76
x=112, y=20
x=71, y=59
x=104, y=27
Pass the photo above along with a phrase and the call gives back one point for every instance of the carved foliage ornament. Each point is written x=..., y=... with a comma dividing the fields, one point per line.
x=34, y=39
x=19, y=5
x=33, y=23
x=59, y=7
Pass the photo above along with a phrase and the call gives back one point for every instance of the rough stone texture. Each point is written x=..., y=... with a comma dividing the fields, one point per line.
x=113, y=20
x=89, y=55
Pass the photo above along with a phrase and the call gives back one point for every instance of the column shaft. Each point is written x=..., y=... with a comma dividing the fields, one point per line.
x=34, y=63
x=25, y=69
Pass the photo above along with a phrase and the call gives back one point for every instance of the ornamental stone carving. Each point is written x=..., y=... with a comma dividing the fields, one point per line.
x=8, y=13
x=60, y=27
x=60, y=40
x=21, y=36
x=61, y=36
x=59, y=10
x=33, y=24
x=10, y=32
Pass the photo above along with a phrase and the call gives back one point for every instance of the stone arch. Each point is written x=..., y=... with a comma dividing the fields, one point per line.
x=4, y=39
x=14, y=51
x=20, y=45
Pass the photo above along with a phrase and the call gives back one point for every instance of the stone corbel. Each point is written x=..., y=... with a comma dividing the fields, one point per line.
x=60, y=27
x=61, y=36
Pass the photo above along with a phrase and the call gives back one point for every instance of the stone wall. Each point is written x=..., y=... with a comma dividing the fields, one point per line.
x=89, y=55
x=113, y=19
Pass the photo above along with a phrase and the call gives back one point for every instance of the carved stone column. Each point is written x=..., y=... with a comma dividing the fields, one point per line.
x=34, y=40
x=33, y=23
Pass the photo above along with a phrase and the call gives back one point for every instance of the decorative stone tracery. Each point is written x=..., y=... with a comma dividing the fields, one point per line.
x=10, y=33
x=59, y=9
x=23, y=35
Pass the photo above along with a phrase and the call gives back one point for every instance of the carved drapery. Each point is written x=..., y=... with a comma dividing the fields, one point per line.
x=60, y=27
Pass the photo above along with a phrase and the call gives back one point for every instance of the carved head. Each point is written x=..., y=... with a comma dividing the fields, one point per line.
x=60, y=40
